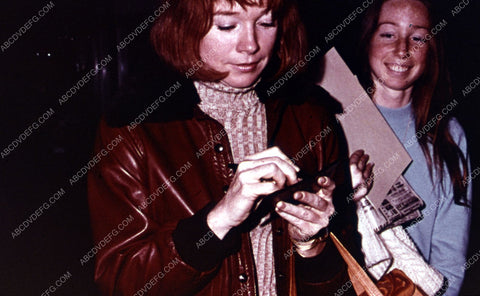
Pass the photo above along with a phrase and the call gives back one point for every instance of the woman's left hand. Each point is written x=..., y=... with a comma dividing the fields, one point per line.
x=309, y=217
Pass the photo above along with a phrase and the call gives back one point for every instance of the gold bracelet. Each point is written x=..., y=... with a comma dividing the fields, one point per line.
x=305, y=246
x=310, y=244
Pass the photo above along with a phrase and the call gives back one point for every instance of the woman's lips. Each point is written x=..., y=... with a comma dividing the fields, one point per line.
x=246, y=67
x=397, y=68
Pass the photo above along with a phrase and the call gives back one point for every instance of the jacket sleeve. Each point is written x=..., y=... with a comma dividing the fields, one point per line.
x=134, y=253
x=326, y=274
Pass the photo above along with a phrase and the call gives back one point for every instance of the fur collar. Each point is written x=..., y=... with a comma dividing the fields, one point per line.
x=168, y=96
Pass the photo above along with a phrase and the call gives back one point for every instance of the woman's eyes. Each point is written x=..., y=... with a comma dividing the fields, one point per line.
x=386, y=35
x=418, y=39
x=268, y=24
x=231, y=27
x=226, y=28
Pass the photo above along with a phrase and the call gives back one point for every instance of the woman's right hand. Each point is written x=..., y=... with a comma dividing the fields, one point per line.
x=259, y=174
x=362, y=174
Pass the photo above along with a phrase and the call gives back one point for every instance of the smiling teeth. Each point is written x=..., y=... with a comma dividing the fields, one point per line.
x=398, y=68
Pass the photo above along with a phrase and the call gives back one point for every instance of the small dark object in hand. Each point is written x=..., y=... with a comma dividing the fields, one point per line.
x=308, y=183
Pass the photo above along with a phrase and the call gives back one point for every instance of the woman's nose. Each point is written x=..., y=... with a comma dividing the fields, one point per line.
x=402, y=48
x=248, y=42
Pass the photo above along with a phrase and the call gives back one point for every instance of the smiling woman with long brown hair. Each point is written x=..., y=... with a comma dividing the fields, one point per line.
x=402, y=57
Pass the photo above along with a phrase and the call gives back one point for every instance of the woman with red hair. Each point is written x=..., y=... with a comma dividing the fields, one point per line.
x=194, y=173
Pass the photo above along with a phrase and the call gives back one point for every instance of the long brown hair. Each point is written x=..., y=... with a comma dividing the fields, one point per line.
x=431, y=92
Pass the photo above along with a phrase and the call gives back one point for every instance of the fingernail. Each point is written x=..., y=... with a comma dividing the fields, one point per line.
x=280, y=205
x=322, y=180
x=298, y=195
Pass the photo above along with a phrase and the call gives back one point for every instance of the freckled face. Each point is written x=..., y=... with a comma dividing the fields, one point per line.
x=240, y=42
x=398, y=54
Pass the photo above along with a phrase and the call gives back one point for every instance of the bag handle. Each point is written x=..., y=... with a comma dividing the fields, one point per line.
x=361, y=282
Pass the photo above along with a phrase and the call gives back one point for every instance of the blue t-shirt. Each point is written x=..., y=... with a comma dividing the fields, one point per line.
x=442, y=235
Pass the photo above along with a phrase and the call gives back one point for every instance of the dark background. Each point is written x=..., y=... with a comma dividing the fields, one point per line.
x=65, y=44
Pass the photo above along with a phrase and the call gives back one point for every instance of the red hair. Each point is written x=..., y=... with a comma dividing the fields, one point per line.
x=177, y=33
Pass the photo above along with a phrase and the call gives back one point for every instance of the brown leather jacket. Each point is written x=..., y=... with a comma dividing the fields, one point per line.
x=152, y=187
